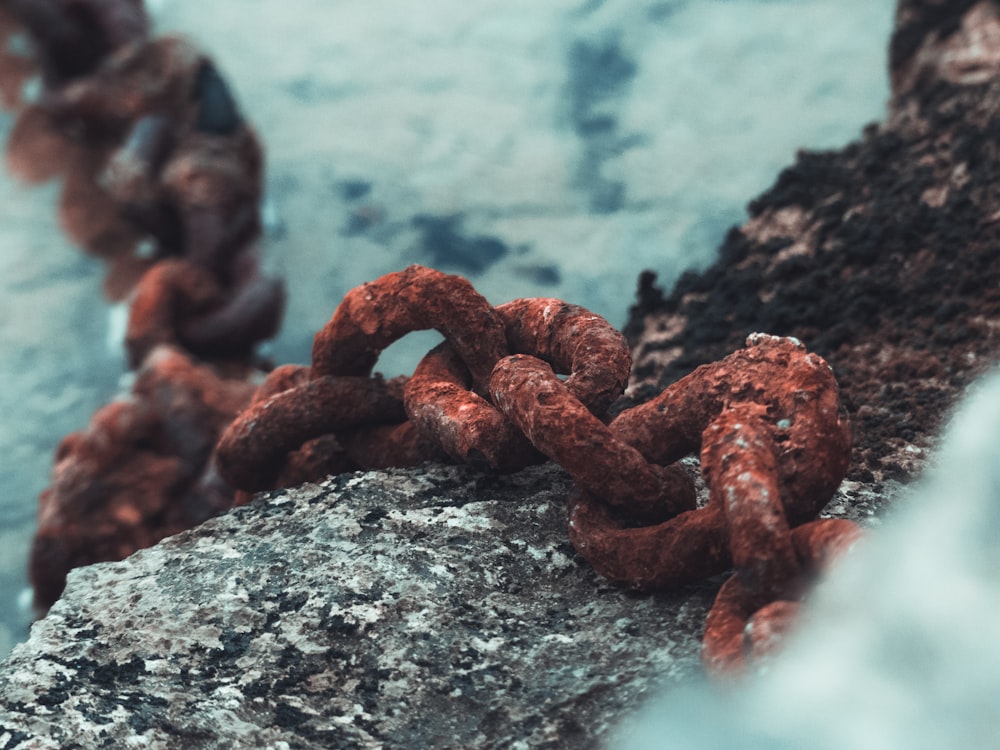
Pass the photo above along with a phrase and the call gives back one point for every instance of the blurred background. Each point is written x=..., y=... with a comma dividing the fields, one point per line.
x=552, y=149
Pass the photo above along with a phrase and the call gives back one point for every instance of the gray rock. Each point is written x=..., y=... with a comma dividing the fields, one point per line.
x=435, y=607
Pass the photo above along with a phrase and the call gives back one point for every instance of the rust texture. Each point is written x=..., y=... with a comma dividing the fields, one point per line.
x=740, y=630
x=376, y=314
x=774, y=445
x=468, y=427
x=575, y=342
x=772, y=405
x=774, y=442
x=449, y=411
x=252, y=451
x=337, y=396
x=161, y=179
x=315, y=458
x=528, y=391
x=181, y=302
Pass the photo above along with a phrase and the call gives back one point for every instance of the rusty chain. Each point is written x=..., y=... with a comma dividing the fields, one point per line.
x=161, y=179
x=151, y=146
x=773, y=440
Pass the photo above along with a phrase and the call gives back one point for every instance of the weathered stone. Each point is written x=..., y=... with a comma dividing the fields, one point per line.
x=430, y=607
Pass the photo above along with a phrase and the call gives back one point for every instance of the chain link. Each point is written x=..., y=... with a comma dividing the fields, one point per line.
x=774, y=442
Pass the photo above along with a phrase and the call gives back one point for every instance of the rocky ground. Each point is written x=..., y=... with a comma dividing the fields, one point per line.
x=435, y=608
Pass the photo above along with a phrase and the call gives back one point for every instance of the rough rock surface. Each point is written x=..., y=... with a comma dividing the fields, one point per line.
x=423, y=608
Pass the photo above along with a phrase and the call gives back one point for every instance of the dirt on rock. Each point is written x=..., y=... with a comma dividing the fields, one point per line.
x=881, y=257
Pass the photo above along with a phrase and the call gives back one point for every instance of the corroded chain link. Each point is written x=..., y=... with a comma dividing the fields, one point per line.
x=138, y=472
x=774, y=443
x=152, y=148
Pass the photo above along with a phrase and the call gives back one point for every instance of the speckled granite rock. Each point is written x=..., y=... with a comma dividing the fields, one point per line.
x=425, y=608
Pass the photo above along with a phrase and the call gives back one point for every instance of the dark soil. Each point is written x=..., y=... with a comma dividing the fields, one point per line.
x=899, y=286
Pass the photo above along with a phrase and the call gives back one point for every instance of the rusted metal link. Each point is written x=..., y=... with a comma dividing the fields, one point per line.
x=531, y=395
x=445, y=411
x=148, y=138
x=171, y=291
x=575, y=342
x=771, y=393
x=367, y=418
x=37, y=151
x=184, y=167
x=181, y=302
x=70, y=40
x=468, y=428
x=316, y=458
x=383, y=447
x=799, y=400
x=152, y=147
x=376, y=314
x=252, y=452
x=738, y=461
x=739, y=630
x=687, y=548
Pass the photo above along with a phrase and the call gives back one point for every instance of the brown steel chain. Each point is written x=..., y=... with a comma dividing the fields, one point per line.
x=159, y=150
x=161, y=179
x=159, y=168
x=774, y=443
